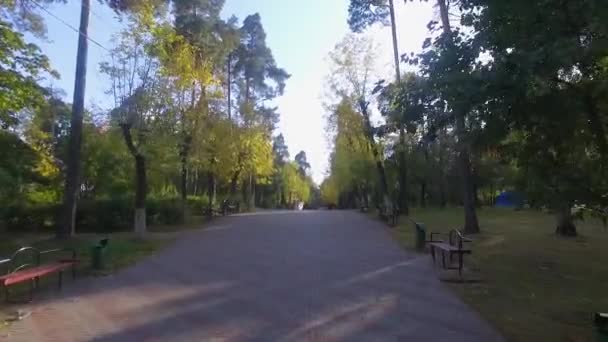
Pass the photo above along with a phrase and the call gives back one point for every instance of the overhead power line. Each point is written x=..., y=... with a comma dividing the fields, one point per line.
x=69, y=26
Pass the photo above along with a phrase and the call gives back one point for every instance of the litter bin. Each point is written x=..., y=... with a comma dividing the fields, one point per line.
x=98, y=255
x=420, y=235
x=601, y=327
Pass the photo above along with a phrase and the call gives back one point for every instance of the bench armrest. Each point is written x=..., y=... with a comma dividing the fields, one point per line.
x=433, y=238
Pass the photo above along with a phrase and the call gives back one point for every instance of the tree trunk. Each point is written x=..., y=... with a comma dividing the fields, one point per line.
x=423, y=194
x=234, y=183
x=184, y=185
x=565, y=225
x=423, y=182
x=67, y=227
x=251, y=198
x=442, y=180
x=141, y=189
x=211, y=191
x=141, y=182
x=476, y=193
x=195, y=182
x=471, y=225
x=403, y=194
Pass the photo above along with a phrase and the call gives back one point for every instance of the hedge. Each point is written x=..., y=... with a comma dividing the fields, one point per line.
x=107, y=215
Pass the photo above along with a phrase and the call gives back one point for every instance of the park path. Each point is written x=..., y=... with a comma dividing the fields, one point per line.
x=271, y=276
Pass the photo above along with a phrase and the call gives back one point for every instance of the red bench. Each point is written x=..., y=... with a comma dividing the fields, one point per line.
x=25, y=265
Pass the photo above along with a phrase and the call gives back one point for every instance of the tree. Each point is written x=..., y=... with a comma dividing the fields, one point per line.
x=297, y=187
x=451, y=64
x=350, y=80
x=407, y=104
x=210, y=40
x=259, y=79
x=354, y=171
x=73, y=169
x=303, y=165
x=139, y=98
x=363, y=13
x=550, y=89
x=280, y=150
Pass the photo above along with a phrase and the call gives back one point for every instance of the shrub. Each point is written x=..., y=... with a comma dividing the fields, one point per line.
x=99, y=216
x=166, y=211
x=198, y=204
x=106, y=215
x=20, y=217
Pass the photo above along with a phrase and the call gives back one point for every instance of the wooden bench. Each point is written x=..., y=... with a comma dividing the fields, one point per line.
x=230, y=207
x=210, y=212
x=389, y=215
x=454, y=245
x=25, y=266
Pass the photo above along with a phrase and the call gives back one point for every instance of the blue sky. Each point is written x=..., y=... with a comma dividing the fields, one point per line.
x=300, y=34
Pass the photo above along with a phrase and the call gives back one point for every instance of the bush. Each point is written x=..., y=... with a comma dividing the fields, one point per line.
x=20, y=217
x=107, y=215
x=166, y=211
x=99, y=216
x=198, y=204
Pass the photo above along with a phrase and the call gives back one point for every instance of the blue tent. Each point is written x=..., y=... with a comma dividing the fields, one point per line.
x=509, y=199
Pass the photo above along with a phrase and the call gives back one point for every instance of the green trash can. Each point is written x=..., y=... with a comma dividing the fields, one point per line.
x=420, y=235
x=601, y=327
x=98, y=255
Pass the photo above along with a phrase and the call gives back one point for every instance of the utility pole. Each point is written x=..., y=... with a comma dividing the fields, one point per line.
x=395, y=44
x=229, y=86
x=72, y=178
x=403, y=205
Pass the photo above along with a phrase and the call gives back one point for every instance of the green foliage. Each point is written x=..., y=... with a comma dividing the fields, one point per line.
x=21, y=64
x=364, y=13
x=167, y=76
x=99, y=215
x=296, y=187
x=352, y=165
x=508, y=95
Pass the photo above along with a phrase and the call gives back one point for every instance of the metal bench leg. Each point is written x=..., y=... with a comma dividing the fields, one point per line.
x=460, y=264
x=433, y=254
x=443, y=259
x=32, y=285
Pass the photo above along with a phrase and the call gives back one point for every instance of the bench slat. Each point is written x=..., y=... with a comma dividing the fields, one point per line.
x=34, y=272
x=447, y=247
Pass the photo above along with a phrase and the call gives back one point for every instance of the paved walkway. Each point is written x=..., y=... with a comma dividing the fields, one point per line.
x=285, y=276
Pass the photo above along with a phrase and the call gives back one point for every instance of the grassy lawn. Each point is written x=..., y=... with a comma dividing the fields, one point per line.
x=123, y=248
x=535, y=286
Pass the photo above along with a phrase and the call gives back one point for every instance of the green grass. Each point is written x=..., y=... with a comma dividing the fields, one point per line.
x=535, y=286
x=123, y=248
